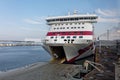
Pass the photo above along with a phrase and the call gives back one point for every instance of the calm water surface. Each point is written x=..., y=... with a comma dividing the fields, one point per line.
x=19, y=56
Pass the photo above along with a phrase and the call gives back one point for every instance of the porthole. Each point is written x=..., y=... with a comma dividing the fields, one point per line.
x=82, y=27
x=74, y=27
x=65, y=40
x=55, y=40
x=62, y=36
x=74, y=36
x=51, y=37
x=72, y=40
x=88, y=40
x=80, y=36
x=82, y=23
x=68, y=36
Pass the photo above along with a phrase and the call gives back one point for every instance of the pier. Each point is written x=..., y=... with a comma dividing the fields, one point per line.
x=19, y=43
x=107, y=55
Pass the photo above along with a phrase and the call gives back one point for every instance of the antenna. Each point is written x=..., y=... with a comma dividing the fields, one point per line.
x=68, y=13
x=75, y=12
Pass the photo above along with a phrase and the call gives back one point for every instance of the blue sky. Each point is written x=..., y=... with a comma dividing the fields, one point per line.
x=20, y=19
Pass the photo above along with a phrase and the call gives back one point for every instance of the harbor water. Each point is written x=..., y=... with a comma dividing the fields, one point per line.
x=20, y=56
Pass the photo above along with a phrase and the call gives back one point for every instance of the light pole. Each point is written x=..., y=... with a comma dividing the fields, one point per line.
x=107, y=34
x=99, y=44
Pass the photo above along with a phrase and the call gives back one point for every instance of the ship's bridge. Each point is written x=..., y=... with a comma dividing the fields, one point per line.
x=91, y=18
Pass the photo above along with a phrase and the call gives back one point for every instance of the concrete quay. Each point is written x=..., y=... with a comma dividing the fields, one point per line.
x=48, y=71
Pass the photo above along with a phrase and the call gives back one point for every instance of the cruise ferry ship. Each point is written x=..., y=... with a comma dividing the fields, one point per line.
x=70, y=37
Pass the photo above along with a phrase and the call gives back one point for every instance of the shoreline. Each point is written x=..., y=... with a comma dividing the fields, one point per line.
x=42, y=71
x=22, y=69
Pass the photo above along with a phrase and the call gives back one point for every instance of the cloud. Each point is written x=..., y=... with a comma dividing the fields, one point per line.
x=33, y=29
x=108, y=13
x=111, y=20
x=108, y=16
x=37, y=29
x=30, y=21
x=36, y=20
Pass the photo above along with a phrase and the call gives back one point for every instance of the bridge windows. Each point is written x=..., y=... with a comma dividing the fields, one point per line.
x=72, y=19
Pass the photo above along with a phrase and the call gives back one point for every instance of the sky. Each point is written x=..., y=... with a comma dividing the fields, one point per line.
x=21, y=19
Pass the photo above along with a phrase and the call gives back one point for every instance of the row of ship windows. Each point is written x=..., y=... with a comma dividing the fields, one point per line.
x=72, y=19
x=69, y=28
x=71, y=40
x=66, y=37
x=69, y=24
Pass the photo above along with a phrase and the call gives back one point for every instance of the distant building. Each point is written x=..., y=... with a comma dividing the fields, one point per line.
x=32, y=39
